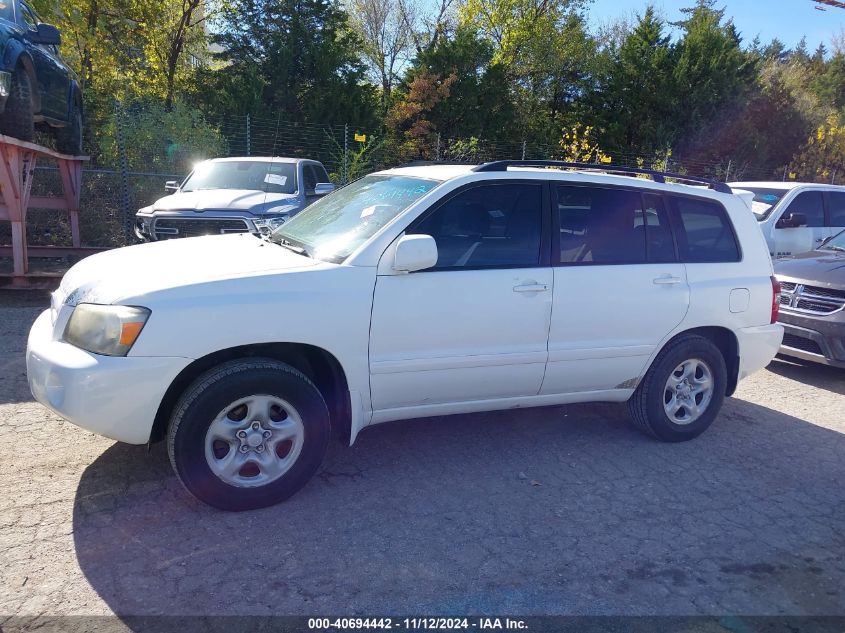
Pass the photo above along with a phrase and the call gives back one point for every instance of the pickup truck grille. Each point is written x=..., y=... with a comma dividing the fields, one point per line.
x=811, y=299
x=166, y=228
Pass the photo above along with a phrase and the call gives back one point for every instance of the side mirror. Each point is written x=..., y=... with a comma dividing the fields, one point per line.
x=45, y=34
x=171, y=186
x=322, y=188
x=415, y=252
x=792, y=221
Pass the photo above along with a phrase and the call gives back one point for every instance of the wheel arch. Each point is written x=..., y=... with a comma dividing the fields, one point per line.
x=20, y=58
x=728, y=345
x=319, y=365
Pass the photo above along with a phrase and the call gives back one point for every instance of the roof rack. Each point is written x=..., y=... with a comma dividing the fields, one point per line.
x=656, y=176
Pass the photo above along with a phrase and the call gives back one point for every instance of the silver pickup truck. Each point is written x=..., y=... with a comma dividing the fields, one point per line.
x=234, y=195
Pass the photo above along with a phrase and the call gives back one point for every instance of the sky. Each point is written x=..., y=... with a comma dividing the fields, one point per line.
x=788, y=20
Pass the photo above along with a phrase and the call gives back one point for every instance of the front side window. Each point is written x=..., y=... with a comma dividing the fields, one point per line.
x=489, y=226
x=309, y=175
x=250, y=175
x=335, y=225
x=601, y=226
x=836, y=202
x=811, y=204
x=704, y=231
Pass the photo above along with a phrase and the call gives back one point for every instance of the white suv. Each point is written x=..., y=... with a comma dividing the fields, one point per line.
x=412, y=292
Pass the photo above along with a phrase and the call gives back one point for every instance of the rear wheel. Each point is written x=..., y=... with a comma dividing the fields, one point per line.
x=248, y=434
x=17, y=118
x=69, y=137
x=683, y=391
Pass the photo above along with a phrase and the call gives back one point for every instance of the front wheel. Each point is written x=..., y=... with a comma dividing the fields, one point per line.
x=682, y=392
x=248, y=434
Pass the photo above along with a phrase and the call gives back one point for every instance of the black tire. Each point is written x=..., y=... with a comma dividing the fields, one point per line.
x=647, y=403
x=17, y=118
x=69, y=137
x=212, y=393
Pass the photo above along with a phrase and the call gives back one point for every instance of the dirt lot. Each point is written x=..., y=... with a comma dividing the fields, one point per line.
x=562, y=510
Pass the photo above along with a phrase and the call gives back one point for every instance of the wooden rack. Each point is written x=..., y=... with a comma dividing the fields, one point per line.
x=18, y=160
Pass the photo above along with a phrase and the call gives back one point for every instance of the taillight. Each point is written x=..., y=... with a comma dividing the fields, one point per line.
x=775, y=299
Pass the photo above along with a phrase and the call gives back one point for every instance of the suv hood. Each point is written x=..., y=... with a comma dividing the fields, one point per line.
x=133, y=271
x=821, y=267
x=225, y=199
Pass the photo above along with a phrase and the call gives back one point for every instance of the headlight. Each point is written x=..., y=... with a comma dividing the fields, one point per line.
x=266, y=226
x=107, y=330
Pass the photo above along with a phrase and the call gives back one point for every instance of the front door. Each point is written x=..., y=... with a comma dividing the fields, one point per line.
x=475, y=326
x=791, y=240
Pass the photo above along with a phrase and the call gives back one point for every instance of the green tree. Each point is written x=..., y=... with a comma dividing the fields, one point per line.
x=637, y=88
x=456, y=89
x=710, y=70
x=299, y=54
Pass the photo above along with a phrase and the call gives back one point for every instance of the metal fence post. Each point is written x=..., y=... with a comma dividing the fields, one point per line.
x=437, y=152
x=523, y=149
x=248, y=148
x=345, y=176
x=125, y=214
x=728, y=171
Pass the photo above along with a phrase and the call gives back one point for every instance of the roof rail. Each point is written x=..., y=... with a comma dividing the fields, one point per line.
x=656, y=176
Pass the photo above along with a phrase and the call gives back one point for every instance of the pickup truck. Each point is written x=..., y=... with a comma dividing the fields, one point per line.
x=234, y=195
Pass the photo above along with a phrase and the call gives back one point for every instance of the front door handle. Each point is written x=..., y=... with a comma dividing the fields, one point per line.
x=667, y=280
x=531, y=288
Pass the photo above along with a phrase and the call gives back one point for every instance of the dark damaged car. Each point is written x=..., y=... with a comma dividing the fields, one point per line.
x=812, y=303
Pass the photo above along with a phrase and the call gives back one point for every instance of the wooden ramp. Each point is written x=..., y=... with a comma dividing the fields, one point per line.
x=18, y=160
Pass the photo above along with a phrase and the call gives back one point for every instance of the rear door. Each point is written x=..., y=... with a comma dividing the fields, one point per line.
x=619, y=287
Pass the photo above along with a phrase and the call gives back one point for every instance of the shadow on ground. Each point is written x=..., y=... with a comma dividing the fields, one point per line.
x=561, y=510
x=829, y=378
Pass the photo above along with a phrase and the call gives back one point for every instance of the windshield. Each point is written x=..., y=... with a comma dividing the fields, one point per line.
x=764, y=200
x=252, y=175
x=835, y=243
x=334, y=226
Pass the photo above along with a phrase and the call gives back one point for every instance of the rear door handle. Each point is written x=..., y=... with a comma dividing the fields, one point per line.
x=667, y=280
x=531, y=288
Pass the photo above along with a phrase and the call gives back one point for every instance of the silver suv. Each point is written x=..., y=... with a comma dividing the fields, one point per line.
x=234, y=195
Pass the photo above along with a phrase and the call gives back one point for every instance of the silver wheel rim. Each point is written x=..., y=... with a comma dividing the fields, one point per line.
x=688, y=391
x=254, y=441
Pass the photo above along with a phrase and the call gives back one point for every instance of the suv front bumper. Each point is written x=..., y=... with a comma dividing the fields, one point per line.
x=113, y=396
x=820, y=339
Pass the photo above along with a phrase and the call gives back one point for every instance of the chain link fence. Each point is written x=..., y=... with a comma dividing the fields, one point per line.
x=139, y=150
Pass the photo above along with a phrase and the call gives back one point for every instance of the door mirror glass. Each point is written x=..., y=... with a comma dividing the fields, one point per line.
x=415, y=252
x=171, y=186
x=792, y=220
x=322, y=188
x=46, y=34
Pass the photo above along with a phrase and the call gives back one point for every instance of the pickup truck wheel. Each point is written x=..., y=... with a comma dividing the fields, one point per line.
x=17, y=118
x=69, y=137
x=248, y=434
x=682, y=392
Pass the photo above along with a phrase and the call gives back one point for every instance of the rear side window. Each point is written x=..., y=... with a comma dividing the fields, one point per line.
x=601, y=226
x=704, y=232
x=811, y=204
x=836, y=201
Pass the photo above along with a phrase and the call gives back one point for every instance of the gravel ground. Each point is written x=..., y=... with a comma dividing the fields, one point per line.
x=560, y=510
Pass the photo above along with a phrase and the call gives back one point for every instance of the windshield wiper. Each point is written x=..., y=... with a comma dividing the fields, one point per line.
x=296, y=247
x=833, y=247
